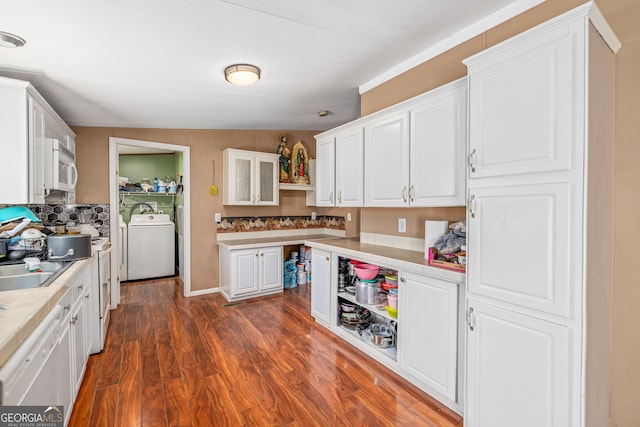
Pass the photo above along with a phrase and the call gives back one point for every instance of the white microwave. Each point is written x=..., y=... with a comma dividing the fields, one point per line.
x=60, y=167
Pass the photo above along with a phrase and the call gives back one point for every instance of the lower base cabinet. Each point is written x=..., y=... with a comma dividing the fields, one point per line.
x=428, y=338
x=247, y=273
x=75, y=339
x=321, y=286
x=517, y=369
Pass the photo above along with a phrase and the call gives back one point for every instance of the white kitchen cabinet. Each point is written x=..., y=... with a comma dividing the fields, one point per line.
x=250, y=178
x=438, y=140
x=246, y=273
x=517, y=370
x=37, y=178
x=528, y=230
x=539, y=223
x=340, y=168
x=65, y=357
x=387, y=160
x=25, y=119
x=350, y=167
x=416, y=156
x=80, y=333
x=325, y=170
x=428, y=332
x=321, y=286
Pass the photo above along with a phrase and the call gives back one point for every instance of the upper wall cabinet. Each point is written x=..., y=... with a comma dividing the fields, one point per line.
x=387, y=160
x=26, y=119
x=250, y=178
x=339, y=167
x=523, y=110
x=415, y=156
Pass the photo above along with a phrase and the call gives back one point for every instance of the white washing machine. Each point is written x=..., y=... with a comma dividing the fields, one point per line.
x=151, y=246
x=122, y=250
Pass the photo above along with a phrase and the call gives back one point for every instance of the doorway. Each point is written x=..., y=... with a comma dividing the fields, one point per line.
x=117, y=146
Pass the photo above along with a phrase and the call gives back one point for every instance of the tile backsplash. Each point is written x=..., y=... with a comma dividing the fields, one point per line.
x=65, y=213
x=266, y=223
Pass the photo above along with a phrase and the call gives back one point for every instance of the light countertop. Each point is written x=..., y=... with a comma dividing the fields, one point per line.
x=22, y=310
x=386, y=256
x=279, y=240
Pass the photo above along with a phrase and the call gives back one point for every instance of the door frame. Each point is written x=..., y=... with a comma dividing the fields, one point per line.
x=114, y=142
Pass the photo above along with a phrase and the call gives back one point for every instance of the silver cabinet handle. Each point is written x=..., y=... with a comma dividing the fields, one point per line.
x=402, y=279
x=404, y=194
x=340, y=197
x=412, y=194
x=327, y=258
x=331, y=197
x=80, y=287
x=74, y=319
x=472, y=160
x=86, y=296
x=66, y=308
x=471, y=319
x=472, y=206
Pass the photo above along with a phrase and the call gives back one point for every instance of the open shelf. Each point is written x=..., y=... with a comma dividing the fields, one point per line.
x=391, y=352
x=300, y=187
x=372, y=308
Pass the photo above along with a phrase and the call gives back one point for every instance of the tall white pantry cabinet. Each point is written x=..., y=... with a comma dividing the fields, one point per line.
x=540, y=226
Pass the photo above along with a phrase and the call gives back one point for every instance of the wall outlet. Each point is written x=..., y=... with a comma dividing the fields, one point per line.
x=402, y=225
x=217, y=217
x=313, y=216
x=348, y=216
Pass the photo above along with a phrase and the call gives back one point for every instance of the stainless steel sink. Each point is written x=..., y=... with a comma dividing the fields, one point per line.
x=17, y=276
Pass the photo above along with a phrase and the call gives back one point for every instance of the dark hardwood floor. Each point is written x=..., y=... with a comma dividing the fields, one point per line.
x=174, y=361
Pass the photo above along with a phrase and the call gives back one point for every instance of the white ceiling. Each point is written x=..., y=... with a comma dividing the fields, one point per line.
x=160, y=63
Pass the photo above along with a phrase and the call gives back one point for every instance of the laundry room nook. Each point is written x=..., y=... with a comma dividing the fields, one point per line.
x=150, y=205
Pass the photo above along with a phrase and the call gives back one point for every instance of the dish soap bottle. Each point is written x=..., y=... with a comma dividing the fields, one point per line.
x=155, y=184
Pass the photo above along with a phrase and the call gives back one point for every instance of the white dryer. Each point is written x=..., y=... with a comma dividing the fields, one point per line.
x=151, y=246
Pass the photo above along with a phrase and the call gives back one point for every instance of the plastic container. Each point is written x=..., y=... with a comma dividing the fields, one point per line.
x=392, y=280
x=392, y=299
x=366, y=271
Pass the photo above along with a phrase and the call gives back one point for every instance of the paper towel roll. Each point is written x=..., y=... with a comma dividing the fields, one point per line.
x=433, y=230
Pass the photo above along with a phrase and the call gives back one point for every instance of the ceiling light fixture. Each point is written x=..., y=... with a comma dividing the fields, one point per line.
x=323, y=113
x=242, y=74
x=11, y=40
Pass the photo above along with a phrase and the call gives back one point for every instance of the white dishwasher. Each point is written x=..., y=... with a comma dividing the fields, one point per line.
x=30, y=376
x=151, y=253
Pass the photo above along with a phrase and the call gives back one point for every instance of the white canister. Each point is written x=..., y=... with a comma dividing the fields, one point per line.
x=301, y=277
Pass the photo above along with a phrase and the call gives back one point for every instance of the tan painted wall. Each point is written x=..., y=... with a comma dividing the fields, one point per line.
x=623, y=16
x=92, y=147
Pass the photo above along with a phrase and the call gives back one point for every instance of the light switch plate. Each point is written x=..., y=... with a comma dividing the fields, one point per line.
x=217, y=217
x=348, y=216
x=402, y=225
x=313, y=216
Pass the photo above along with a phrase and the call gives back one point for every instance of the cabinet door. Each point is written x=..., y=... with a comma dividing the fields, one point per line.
x=521, y=102
x=428, y=328
x=350, y=167
x=271, y=268
x=321, y=286
x=267, y=175
x=244, y=272
x=521, y=240
x=79, y=337
x=37, y=187
x=438, y=147
x=387, y=161
x=517, y=370
x=65, y=369
x=325, y=171
x=240, y=179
